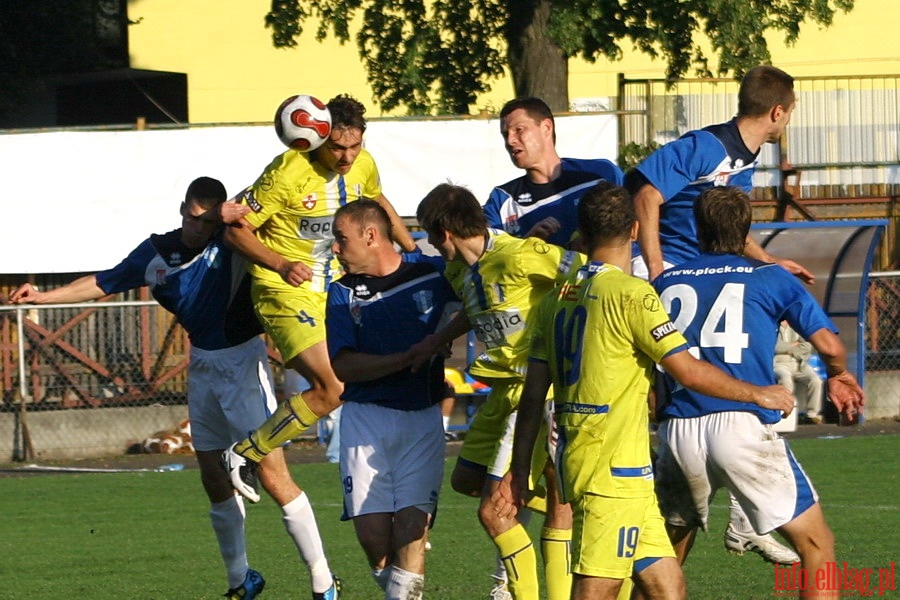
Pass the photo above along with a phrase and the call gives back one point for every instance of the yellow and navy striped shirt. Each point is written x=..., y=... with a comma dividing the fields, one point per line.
x=499, y=291
x=293, y=204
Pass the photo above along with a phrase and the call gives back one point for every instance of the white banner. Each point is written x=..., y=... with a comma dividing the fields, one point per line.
x=79, y=201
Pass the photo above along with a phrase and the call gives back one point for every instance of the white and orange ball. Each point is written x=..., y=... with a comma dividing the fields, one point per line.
x=303, y=123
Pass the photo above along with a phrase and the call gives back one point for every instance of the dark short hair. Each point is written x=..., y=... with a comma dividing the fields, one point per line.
x=364, y=212
x=347, y=113
x=723, y=218
x=605, y=213
x=763, y=88
x=206, y=191
x=534, y=107
x=452, y=208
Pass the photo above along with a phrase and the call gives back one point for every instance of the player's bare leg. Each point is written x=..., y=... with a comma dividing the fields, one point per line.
x=556, y=540
x=813, y=540
x=394, y=544
x=514, y=545
x=663, y=580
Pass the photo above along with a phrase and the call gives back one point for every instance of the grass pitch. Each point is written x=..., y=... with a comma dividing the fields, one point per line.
x=147, y=536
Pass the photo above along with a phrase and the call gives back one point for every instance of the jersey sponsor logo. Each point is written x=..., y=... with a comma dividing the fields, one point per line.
x=525, y=199
x=315, y=228
x=249, y=198
x=667, y=328
x=266, y=183
x=309, y=202
x=493, y=329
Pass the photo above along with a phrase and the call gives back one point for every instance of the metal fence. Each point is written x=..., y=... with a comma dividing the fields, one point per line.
x=78, y=362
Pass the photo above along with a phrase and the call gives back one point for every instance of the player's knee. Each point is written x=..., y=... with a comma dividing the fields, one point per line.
x=463, y=483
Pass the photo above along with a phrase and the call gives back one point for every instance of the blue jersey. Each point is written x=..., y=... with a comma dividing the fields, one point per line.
x=384, y=315
x=517, y=205
x=684, y=169
x=207, y=290
x=729, y=308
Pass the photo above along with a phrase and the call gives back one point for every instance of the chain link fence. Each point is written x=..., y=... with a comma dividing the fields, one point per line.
x=91, y=379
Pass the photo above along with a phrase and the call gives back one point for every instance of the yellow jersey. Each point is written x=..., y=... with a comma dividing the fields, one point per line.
x=600, y=335
x=292, y=207
x=499, y=291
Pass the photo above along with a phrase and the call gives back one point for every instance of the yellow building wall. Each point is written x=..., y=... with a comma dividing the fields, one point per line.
x=235, y=75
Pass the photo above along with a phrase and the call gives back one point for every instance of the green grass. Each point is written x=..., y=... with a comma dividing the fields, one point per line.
x=147, y=535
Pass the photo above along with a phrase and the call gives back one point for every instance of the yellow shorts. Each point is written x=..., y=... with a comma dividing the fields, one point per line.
x=611, y=534
x=488, y=442
x=294, y=319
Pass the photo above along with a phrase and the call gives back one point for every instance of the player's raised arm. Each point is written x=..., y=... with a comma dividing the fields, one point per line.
x=647, y=203
x=843, y=389
x=398, y=228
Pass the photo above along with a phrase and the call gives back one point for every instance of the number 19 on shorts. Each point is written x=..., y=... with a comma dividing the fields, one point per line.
x=628, y=540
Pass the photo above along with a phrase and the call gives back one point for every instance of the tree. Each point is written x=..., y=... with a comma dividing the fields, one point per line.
x=437, y=56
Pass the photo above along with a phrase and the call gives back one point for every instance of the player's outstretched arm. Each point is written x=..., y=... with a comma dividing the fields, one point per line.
x=350, y=366
x=703, y=377
x=544, y=228
x=398, y=228
x=430, y=345
x=646, y=204
x=82, y=289
x=754, y=250
x=843, y=389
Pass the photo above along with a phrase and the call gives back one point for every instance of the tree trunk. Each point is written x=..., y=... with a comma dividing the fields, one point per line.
x=538, y=66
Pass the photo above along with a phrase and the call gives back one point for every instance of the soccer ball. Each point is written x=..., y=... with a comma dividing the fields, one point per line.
x=303, y=123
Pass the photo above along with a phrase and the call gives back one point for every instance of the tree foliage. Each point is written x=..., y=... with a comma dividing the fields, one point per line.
x=438, y=55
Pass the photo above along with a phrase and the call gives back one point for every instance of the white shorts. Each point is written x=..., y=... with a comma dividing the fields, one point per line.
x=229, y=393
x=639, y=267
x=734, y=450
x=390, y=459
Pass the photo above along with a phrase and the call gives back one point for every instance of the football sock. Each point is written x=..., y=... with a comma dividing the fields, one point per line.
x=404, y=585
x=446, y=421
x=737, y=516
x=228, y=522
x=289, y=420
x=520, y=559
x=556, y=547
x=300, y=523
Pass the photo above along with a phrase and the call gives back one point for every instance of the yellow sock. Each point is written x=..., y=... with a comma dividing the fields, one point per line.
x=520, y=560
x=556, y=548
x=289, y=420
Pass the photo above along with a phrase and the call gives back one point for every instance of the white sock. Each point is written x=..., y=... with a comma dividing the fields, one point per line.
x=403, y=585
x=738, y=517
x=300, y=523
x=446, y=422
x=381, y=576
x=228, y=522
